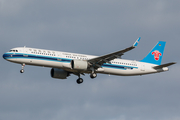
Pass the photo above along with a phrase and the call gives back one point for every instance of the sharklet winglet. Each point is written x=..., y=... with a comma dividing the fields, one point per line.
x=137, y=42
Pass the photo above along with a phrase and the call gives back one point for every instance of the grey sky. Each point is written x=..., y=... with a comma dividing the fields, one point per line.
x=95, y=27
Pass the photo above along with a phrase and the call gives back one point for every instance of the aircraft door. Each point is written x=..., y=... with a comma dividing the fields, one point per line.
x=59, y=59
x=142, y=67
x=25, y=55
x=25, y=52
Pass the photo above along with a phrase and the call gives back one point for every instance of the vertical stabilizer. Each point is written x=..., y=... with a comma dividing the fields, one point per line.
x=156, y=54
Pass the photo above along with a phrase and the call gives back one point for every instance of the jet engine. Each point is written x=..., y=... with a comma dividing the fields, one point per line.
x=79, y=65
x=59, y=73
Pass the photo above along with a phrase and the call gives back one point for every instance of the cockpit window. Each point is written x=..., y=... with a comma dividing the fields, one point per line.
x=13, y=51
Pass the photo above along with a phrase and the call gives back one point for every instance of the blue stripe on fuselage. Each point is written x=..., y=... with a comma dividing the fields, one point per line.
x=31, y=56
x=57, y=59
x=115, y=66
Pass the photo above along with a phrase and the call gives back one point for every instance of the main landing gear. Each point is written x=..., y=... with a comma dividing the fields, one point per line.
x=93, y=75
x=79, y=81
x=22, y=70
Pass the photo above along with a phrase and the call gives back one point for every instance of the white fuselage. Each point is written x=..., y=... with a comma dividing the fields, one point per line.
x=57, y=59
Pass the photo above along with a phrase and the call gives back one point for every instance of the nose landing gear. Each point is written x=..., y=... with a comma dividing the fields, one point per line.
x=22, y=70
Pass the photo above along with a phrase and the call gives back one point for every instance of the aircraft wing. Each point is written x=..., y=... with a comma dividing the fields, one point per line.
x=98, y=61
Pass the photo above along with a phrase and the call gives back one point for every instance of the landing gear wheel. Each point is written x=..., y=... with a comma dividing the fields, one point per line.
x=22, y=71
x=79, y=81
x=93, y=75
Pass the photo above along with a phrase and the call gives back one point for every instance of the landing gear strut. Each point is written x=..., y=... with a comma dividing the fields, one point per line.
x=22, y=70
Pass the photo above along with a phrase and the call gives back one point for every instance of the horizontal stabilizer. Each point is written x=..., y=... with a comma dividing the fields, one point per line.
x=164, y=65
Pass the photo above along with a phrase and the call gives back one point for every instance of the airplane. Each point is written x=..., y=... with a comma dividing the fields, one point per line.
x=64, y=64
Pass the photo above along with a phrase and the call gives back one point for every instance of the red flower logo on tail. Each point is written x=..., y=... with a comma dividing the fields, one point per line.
x=156, y=54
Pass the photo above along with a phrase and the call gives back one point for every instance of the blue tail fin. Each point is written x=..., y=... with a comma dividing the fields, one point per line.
x=156, y=54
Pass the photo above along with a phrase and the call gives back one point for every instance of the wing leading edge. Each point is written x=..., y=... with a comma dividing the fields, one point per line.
x=98, y=61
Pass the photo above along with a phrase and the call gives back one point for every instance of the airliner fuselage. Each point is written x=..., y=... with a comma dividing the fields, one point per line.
x=64, y=63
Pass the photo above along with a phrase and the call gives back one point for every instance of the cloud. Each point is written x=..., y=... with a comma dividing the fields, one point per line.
x=12, y=7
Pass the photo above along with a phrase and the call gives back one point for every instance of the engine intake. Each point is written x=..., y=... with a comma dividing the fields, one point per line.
x=79, y=65
x=59, y=73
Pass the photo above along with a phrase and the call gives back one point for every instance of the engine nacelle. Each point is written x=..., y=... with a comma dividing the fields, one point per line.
x=79, y=65
x=59, y=73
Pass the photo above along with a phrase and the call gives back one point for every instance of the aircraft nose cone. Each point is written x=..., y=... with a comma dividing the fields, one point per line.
x=4, y=55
